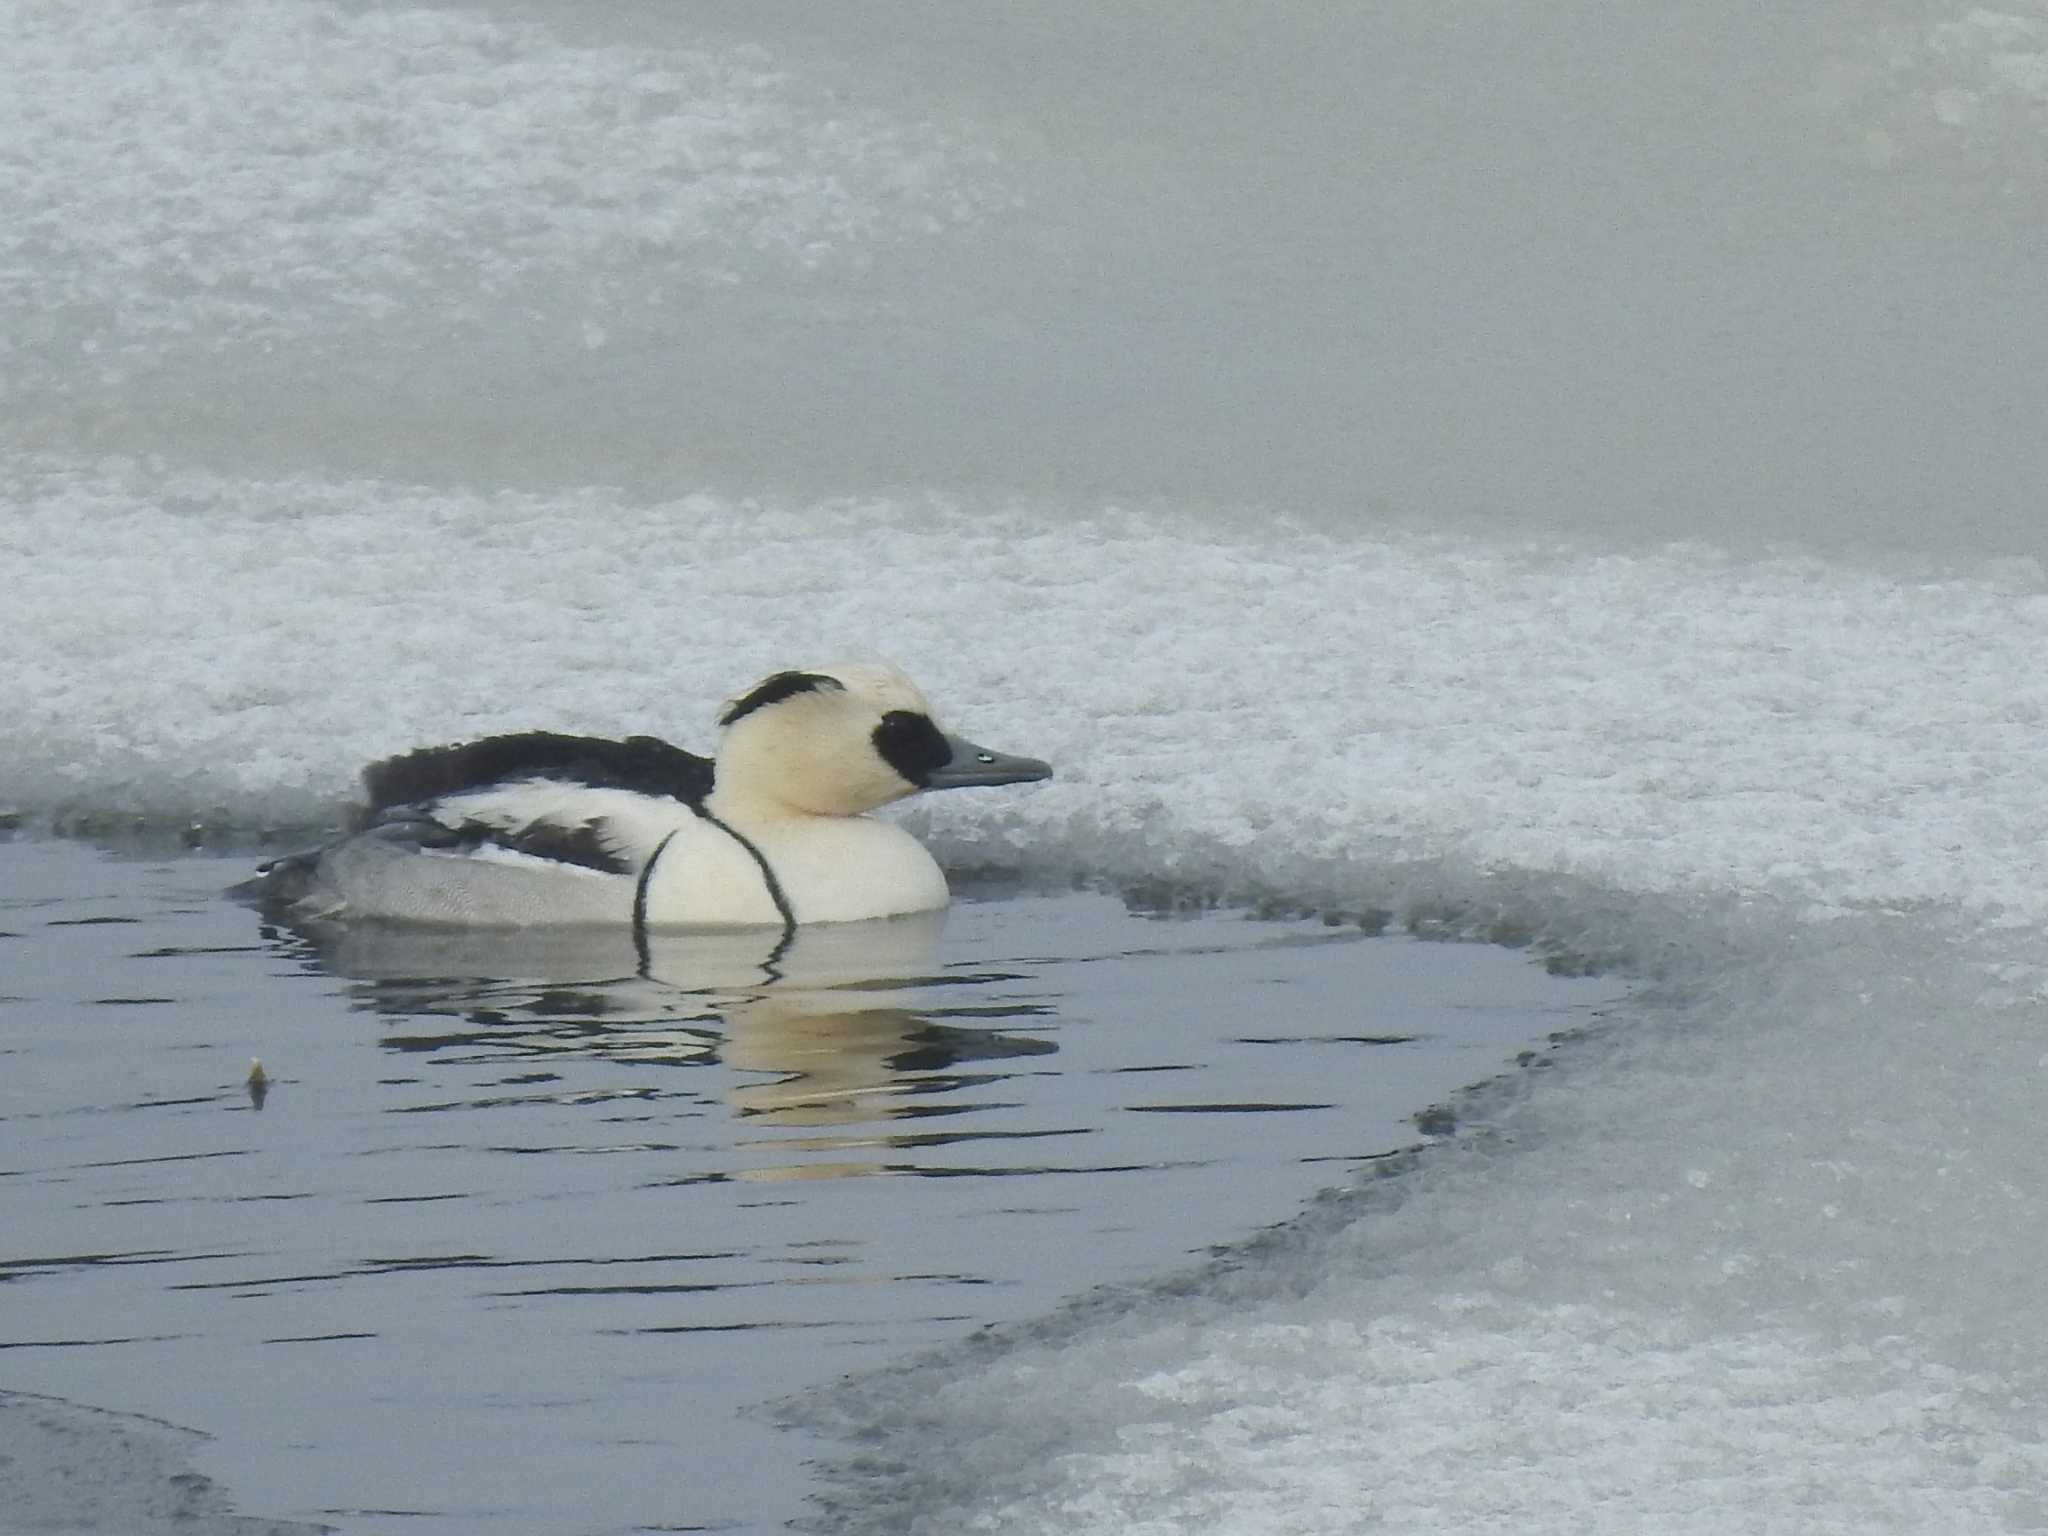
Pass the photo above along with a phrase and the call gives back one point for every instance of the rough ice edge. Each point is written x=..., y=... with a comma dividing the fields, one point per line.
x=67, y=1467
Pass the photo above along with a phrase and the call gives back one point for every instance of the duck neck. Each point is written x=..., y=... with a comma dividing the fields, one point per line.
x=757, y=813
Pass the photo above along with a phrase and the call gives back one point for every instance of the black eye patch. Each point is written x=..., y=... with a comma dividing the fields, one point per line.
x=912, y=745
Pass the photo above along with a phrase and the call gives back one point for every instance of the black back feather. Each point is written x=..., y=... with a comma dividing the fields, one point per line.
x=644, y=764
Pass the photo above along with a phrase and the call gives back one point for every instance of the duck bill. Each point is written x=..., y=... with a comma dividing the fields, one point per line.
x=972, y=765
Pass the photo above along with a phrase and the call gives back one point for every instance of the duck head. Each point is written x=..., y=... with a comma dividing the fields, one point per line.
x=842, y=740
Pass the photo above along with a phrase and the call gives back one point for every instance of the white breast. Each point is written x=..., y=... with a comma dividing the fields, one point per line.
x=827, y=869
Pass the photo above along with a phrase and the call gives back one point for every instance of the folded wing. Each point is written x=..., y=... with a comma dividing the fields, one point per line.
x=585, y=802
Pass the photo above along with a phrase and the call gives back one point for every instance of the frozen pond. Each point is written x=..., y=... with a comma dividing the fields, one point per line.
x=1574, y=469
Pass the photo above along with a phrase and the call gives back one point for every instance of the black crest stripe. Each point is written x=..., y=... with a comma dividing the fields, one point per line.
x=773, y=690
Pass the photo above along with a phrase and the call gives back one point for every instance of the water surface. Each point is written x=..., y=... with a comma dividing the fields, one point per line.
x=518, y=1233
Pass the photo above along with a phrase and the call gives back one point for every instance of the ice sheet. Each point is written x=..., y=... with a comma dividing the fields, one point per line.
x=268, y=172
x=83, y=1469
x=1628, y=271
x=1943, y=90
x=330, y=326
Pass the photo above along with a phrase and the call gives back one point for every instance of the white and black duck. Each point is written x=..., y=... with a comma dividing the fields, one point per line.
x=540, y=828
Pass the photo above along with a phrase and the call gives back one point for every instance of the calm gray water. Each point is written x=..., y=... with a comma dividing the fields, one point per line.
x=523, y=1232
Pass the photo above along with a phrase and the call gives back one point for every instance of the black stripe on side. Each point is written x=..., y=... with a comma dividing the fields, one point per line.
x=640, y=903
x=768, y=879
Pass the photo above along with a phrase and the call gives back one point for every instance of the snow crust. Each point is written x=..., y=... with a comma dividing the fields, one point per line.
x=1284, y=702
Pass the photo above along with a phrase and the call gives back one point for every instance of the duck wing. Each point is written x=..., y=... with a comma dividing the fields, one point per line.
x=583, y=801
x=644, y=765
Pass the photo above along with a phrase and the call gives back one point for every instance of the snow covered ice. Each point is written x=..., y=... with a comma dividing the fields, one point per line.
x=1562, y=474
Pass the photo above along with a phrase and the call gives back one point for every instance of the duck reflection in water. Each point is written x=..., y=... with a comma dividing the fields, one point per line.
x=835, y=1025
